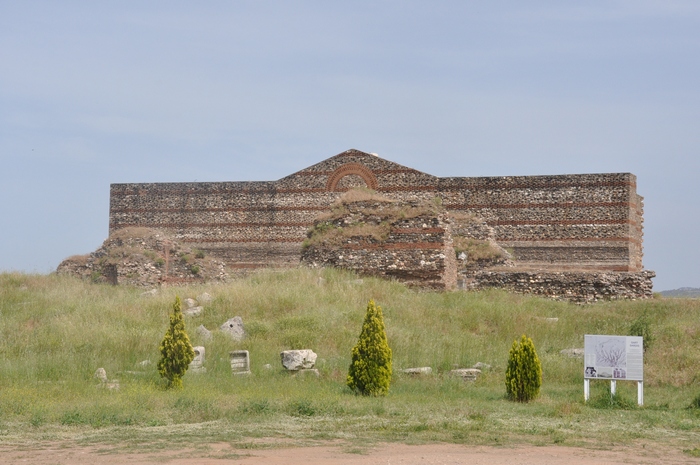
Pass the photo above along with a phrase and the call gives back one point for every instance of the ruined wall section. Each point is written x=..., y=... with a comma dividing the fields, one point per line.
x=589, y=221
x=582, y=222
x=249, y=224
x=256, y=224
x=571, y=286
x=417, y=250
x=637, y=232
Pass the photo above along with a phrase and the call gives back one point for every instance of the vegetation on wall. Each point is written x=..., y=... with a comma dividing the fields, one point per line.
x=477, y=251
x=362, y=212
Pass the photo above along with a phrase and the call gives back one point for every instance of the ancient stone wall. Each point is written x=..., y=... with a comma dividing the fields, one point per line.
x=580, y=287
x=416, y=250
x=583, y=222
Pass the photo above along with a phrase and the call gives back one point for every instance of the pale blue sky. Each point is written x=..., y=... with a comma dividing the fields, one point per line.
x=93, y=93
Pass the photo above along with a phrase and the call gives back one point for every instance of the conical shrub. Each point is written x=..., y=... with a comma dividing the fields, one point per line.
x=176, y=350
x=370, y=368
x=524, y=372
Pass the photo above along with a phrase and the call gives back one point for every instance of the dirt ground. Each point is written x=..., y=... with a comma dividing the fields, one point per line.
x=338, y=454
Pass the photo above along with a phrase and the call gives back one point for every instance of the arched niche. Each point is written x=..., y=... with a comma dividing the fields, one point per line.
x=351, y=175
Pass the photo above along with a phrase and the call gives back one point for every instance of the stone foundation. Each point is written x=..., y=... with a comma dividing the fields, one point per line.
x=574, y=286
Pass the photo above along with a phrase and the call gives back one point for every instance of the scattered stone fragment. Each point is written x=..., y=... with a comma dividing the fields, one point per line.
x=551, y=320
x=144, y=363
x=482, y=366
x=204, y=332
x=193, y=311
x=418, y=371
x=240, y=362
x=189, y=303
x=467, y=374
x=197, y=364
x=101, y=375
x=298, y=359
x=234, y=328
x=204, y=298
x=573, y=353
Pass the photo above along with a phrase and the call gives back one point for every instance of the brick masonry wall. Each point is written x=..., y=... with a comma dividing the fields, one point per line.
x=589, y=221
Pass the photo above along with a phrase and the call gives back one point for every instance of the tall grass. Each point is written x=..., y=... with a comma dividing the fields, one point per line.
x=56, y=331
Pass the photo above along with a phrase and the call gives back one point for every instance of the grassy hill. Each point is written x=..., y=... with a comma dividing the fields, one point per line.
x=683, y=292
x=55, y=331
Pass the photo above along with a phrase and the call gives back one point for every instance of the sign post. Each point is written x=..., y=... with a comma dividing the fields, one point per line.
x=614, y=358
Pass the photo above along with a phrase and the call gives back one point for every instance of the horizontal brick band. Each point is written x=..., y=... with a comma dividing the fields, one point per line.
x=211, y=225
x=559, y=222
x=241, y=241
x=265, y=209
x=417, y=231
x=395, y=246
x=497, y=206
x=136, y=190
x=527, y=241
x=533, y=183
x=376, y=172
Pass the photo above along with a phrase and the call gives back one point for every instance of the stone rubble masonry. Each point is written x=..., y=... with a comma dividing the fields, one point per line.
x=586, y=221
x=579, y=287
x=145, y=257
x=418, y=251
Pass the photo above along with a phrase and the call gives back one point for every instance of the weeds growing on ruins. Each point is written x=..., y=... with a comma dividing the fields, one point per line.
x=56, y=331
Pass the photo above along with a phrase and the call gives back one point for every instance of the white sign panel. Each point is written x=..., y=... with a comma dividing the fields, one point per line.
x=613, y=357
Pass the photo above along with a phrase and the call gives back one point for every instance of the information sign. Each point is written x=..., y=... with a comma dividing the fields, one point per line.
x=613, y=357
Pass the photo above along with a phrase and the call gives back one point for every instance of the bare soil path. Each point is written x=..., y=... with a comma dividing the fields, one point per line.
x=339, y=454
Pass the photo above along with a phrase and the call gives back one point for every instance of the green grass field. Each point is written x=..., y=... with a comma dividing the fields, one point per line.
x=56, y=331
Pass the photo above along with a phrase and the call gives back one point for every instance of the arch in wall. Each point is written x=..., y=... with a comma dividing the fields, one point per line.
x=351, y=169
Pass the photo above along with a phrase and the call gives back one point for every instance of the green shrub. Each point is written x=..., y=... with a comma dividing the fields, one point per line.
x=370, y=368
x=176, y=350
x=524, y=372
x=642, y=327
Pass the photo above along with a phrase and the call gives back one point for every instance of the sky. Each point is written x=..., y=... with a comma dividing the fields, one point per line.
x=94, y=93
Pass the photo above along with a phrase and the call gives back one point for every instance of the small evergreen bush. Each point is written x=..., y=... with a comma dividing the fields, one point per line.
x=370, y=368
x=175, y=349
x=524, y=372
